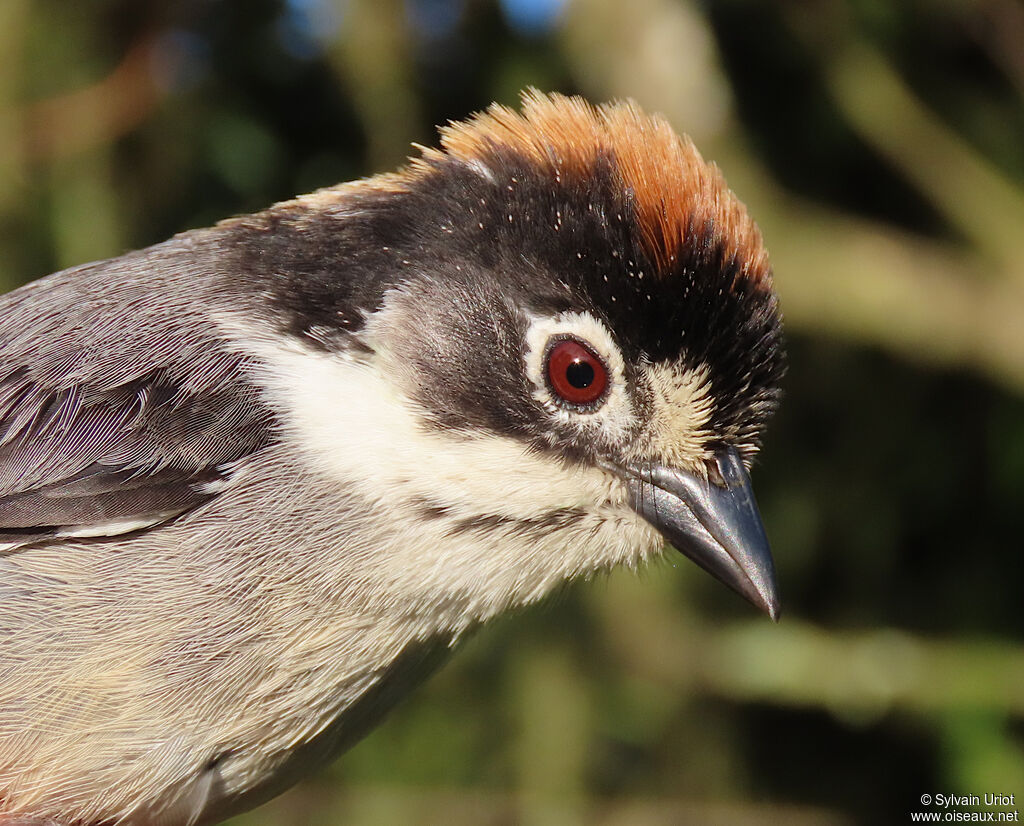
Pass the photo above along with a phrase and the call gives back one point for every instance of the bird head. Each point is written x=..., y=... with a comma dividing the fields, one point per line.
x=555, y=347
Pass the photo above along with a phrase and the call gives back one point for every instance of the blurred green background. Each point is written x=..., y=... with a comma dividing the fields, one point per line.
x=880, y=145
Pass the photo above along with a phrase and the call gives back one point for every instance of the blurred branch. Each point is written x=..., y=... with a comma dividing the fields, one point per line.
x=970, y=191
x=1002, y=34
x=86, y=219
x=867, y=673
x=13, y=17
x=858, y=675
x=553, y=743
x=662, y=55
x=373, y=59
x=67, y=124
x=870, y=283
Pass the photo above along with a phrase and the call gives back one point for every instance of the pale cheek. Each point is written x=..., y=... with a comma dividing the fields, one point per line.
x=352, y=425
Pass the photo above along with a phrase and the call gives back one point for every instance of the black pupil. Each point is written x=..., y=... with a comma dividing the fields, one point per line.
x=580, y=374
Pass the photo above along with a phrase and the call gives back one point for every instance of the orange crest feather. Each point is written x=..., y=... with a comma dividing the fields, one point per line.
x=678, y=197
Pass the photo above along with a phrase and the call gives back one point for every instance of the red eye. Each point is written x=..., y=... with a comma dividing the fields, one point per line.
x=575, y=372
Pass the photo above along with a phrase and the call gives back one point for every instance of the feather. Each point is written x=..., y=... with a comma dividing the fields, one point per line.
x=108, y=428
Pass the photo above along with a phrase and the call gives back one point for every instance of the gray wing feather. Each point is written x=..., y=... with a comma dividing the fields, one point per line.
x=120, y=407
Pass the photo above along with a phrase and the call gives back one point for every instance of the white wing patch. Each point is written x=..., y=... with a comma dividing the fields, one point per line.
x=116, y=527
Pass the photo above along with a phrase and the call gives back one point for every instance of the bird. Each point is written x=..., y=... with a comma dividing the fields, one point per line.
x=257, y=481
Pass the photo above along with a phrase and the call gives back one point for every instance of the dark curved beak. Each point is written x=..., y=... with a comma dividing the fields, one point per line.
x=714, y=522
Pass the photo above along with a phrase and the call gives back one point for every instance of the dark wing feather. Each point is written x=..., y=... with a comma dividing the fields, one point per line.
x=120, y=407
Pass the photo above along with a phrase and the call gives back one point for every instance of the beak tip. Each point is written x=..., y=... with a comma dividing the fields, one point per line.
x=764, y=597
